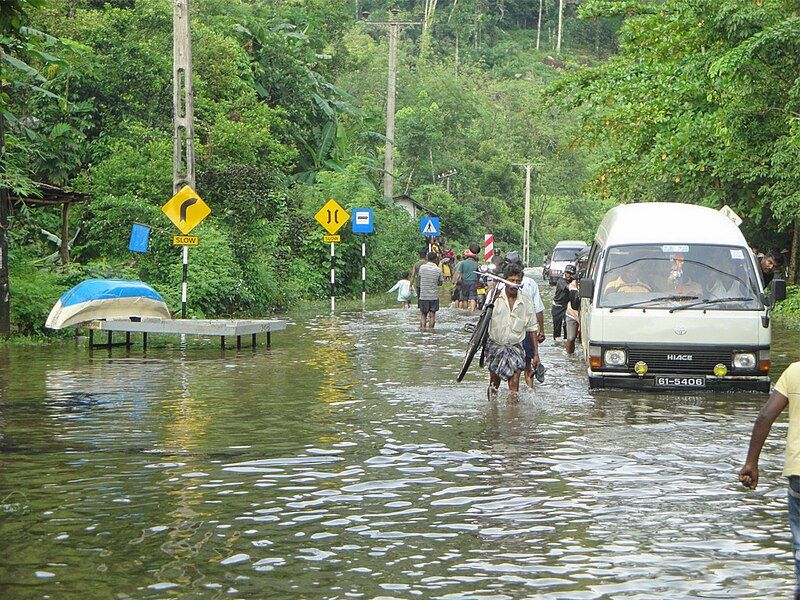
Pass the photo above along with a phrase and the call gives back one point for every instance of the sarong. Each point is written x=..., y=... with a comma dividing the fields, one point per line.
x=504, y=361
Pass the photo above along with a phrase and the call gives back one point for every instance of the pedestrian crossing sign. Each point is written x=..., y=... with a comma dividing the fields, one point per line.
x=429, y=226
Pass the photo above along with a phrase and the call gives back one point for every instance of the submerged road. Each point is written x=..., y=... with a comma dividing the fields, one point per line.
x=346, y=462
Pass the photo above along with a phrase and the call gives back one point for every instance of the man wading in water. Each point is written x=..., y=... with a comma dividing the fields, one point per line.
x=513, y=318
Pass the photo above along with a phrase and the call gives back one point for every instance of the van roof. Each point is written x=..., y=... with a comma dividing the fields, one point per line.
x=571, y=244
x=672, y=222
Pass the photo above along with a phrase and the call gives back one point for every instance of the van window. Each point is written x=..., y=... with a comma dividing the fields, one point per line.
x=565, y=254
x=669, y=275
x=594, y=256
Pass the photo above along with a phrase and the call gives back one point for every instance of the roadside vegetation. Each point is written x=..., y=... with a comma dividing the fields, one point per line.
x=290, y=111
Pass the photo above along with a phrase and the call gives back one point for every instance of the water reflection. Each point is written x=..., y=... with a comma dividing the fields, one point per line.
x=346, y=462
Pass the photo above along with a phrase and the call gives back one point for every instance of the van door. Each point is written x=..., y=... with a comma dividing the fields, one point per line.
x=595, y=253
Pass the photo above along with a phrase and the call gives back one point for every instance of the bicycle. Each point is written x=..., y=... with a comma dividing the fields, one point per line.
x=480, y=330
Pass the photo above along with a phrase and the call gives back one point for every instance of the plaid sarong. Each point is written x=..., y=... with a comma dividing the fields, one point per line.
x=504, y=360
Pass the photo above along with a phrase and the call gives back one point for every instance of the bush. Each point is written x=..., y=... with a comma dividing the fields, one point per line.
x=34, y=291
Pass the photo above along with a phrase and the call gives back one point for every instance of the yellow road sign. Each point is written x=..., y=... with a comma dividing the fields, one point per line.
x=186, y=209
x=331, y=238
x=332, y=216
x=185, y=240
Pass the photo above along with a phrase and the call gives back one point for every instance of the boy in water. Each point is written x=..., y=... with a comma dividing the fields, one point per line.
x=430, y=278
x=403, y=289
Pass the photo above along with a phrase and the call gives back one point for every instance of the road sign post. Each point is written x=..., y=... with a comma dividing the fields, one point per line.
x=363, y=223
x=186, y=210
x=429, y=227
x=332, y=216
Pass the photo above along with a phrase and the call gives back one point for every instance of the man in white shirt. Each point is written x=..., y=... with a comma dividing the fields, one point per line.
x=513, y=318
x=531, y=289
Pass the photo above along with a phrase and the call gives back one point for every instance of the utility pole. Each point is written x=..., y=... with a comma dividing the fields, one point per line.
x=446, y=176
x=183, y=116
x=526, y=232
x=388, y=161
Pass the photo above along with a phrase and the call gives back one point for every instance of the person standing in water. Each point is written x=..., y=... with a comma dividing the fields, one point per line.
x=513, y=318
x=430, y=278
x=403, y=289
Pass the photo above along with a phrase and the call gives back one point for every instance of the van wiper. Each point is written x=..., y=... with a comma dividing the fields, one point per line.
x=713, y=301
x=659, y=299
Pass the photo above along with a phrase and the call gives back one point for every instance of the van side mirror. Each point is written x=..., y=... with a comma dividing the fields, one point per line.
x=778, y=290
x=586, y=288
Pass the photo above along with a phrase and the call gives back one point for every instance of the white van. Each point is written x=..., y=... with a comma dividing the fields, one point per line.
x=673, y=298
x=565, y=253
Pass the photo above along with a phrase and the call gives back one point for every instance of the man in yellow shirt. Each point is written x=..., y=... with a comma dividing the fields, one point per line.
x=786, y=393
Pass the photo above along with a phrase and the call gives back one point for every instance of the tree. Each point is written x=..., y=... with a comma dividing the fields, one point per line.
x=698, y=106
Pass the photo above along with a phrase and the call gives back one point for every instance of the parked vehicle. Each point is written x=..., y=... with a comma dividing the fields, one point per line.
x=565, y=253
x=672, y=299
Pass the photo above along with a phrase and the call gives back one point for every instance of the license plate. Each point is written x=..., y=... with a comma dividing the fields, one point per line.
x=683, y=382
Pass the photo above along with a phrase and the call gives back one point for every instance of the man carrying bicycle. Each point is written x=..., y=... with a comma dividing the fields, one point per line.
x=513, y=319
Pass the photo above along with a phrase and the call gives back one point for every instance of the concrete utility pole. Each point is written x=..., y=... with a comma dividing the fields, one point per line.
x=388, y=161
x=526, y=232
x=182, y=99
x=183, y=117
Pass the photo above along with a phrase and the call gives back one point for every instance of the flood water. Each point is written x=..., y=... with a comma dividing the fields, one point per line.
x=345, y=462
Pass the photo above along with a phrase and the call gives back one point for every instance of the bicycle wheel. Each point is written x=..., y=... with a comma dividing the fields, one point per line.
x=477, y=341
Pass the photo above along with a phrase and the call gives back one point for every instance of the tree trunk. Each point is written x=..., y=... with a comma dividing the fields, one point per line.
x=64, y=248
x=539, y=25
x=5, y=209
x=794, y=258
x=560, y=20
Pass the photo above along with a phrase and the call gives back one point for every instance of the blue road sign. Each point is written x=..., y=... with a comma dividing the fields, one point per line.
x=140, y=238
x=429, y=226
x=363, y=220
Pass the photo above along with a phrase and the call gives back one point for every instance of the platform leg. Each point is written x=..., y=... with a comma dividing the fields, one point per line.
x=144, y=341
x=91, y=340
x=238, y=342
x=110, y=340
x=127, y=340
x=253, y=341
x=222, y=342
x=269, y=339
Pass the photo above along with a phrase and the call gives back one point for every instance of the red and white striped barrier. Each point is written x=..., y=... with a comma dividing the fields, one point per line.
x=488, y=247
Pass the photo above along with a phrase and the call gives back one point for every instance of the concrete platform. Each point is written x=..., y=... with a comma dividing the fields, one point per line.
x=222, y=328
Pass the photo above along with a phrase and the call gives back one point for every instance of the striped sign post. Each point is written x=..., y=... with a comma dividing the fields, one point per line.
x=488, y=247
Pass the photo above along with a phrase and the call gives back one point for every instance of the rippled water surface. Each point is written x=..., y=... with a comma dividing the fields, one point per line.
x=345, y=462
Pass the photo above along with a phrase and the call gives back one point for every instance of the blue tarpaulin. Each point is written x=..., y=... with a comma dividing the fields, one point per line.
x=108, y=289
x=140, y=238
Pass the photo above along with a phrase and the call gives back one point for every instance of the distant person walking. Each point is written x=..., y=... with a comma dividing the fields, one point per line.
x=403, y=289
x=430, y=278
x=423, y=254
x=467, y=278
x=513, y=318
x=786, y=393
x=560, y=300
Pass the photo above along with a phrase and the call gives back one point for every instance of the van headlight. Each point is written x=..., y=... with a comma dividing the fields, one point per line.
x=615, y=357
x=744, y=360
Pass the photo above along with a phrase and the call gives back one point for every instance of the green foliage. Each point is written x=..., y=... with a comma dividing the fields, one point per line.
x=698, y=106
x=791, y=306
x=33, y=291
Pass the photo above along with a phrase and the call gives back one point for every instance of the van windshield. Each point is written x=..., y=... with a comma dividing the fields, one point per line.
x=566, y=254
x=679, y=275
